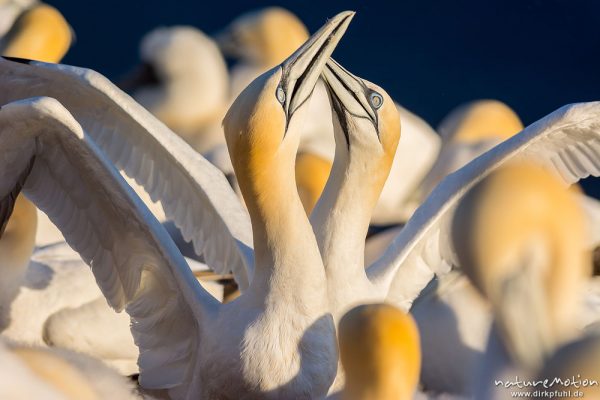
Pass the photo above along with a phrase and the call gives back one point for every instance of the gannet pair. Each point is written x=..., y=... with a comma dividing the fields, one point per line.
x=258, y=39
x=272, y=341
x=520, y=238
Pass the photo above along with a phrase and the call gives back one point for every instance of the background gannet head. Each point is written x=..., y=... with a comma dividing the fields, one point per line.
x=480, y=120
x=263, y=37
x=380, y=353
x=40, y=33
x=519, y=236
x=366, y=126
x=183, y=79
x=263, y=124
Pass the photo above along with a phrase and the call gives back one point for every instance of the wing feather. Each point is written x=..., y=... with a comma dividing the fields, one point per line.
x=194, y=194
x=134, y=261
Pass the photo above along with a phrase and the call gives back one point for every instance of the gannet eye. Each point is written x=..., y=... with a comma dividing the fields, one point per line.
x=280, y=95
x=376, y=100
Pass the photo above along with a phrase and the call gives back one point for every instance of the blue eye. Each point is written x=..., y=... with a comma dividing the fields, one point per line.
x=280, y=95
x=376, y=100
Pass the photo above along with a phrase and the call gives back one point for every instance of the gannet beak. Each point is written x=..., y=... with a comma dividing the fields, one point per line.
x=348, y=92
x=301, y=70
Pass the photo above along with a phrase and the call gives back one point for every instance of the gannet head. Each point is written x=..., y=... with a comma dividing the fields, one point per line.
x=480, y=120
x=263, y=37
x=263, y=124
x=380, y=353
x=366, y=124
x=182, y=80
x=519, y=235
x=40, y=33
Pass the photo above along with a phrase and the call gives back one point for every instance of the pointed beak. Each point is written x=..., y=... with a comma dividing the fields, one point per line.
x=302, y=69
x=348, y=92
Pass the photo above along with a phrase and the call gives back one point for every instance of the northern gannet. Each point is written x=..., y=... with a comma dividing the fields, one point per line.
x=530, y=265
x=272, y=341
x=380, y=353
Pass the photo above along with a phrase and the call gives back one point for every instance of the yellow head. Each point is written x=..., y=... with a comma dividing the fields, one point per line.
x=519, y=236
x=380, y=353
x=41, y=33
x=480, y=120
x=366, y=125
x=264, y=37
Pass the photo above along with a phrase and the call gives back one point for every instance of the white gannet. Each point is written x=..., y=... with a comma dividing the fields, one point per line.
x=261, y=39
x=274, y=341
x=380, y=353
x=528, y=263
x=55, y=374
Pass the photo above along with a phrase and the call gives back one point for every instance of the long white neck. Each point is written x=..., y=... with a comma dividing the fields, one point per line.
x=342, y=215
x=341, y=219
x=285, y=249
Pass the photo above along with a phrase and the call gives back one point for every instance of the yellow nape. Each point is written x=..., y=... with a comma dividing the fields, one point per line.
x=485, y=119
x=41, y=33
x=56, y=372
x=312, y=173
x=380, y=353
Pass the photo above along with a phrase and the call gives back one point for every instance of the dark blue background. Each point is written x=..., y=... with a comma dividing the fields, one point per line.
x=430, y=55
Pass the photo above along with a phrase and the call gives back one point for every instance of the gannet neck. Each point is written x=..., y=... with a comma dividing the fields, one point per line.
x=366, y=141
x=519, y=236
x=41, y=33
x=264, y=163
x=380, y=352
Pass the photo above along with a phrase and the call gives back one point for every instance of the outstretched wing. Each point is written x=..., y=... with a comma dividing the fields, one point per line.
x=135, y=263
x=194, y=194
x=567, y=142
